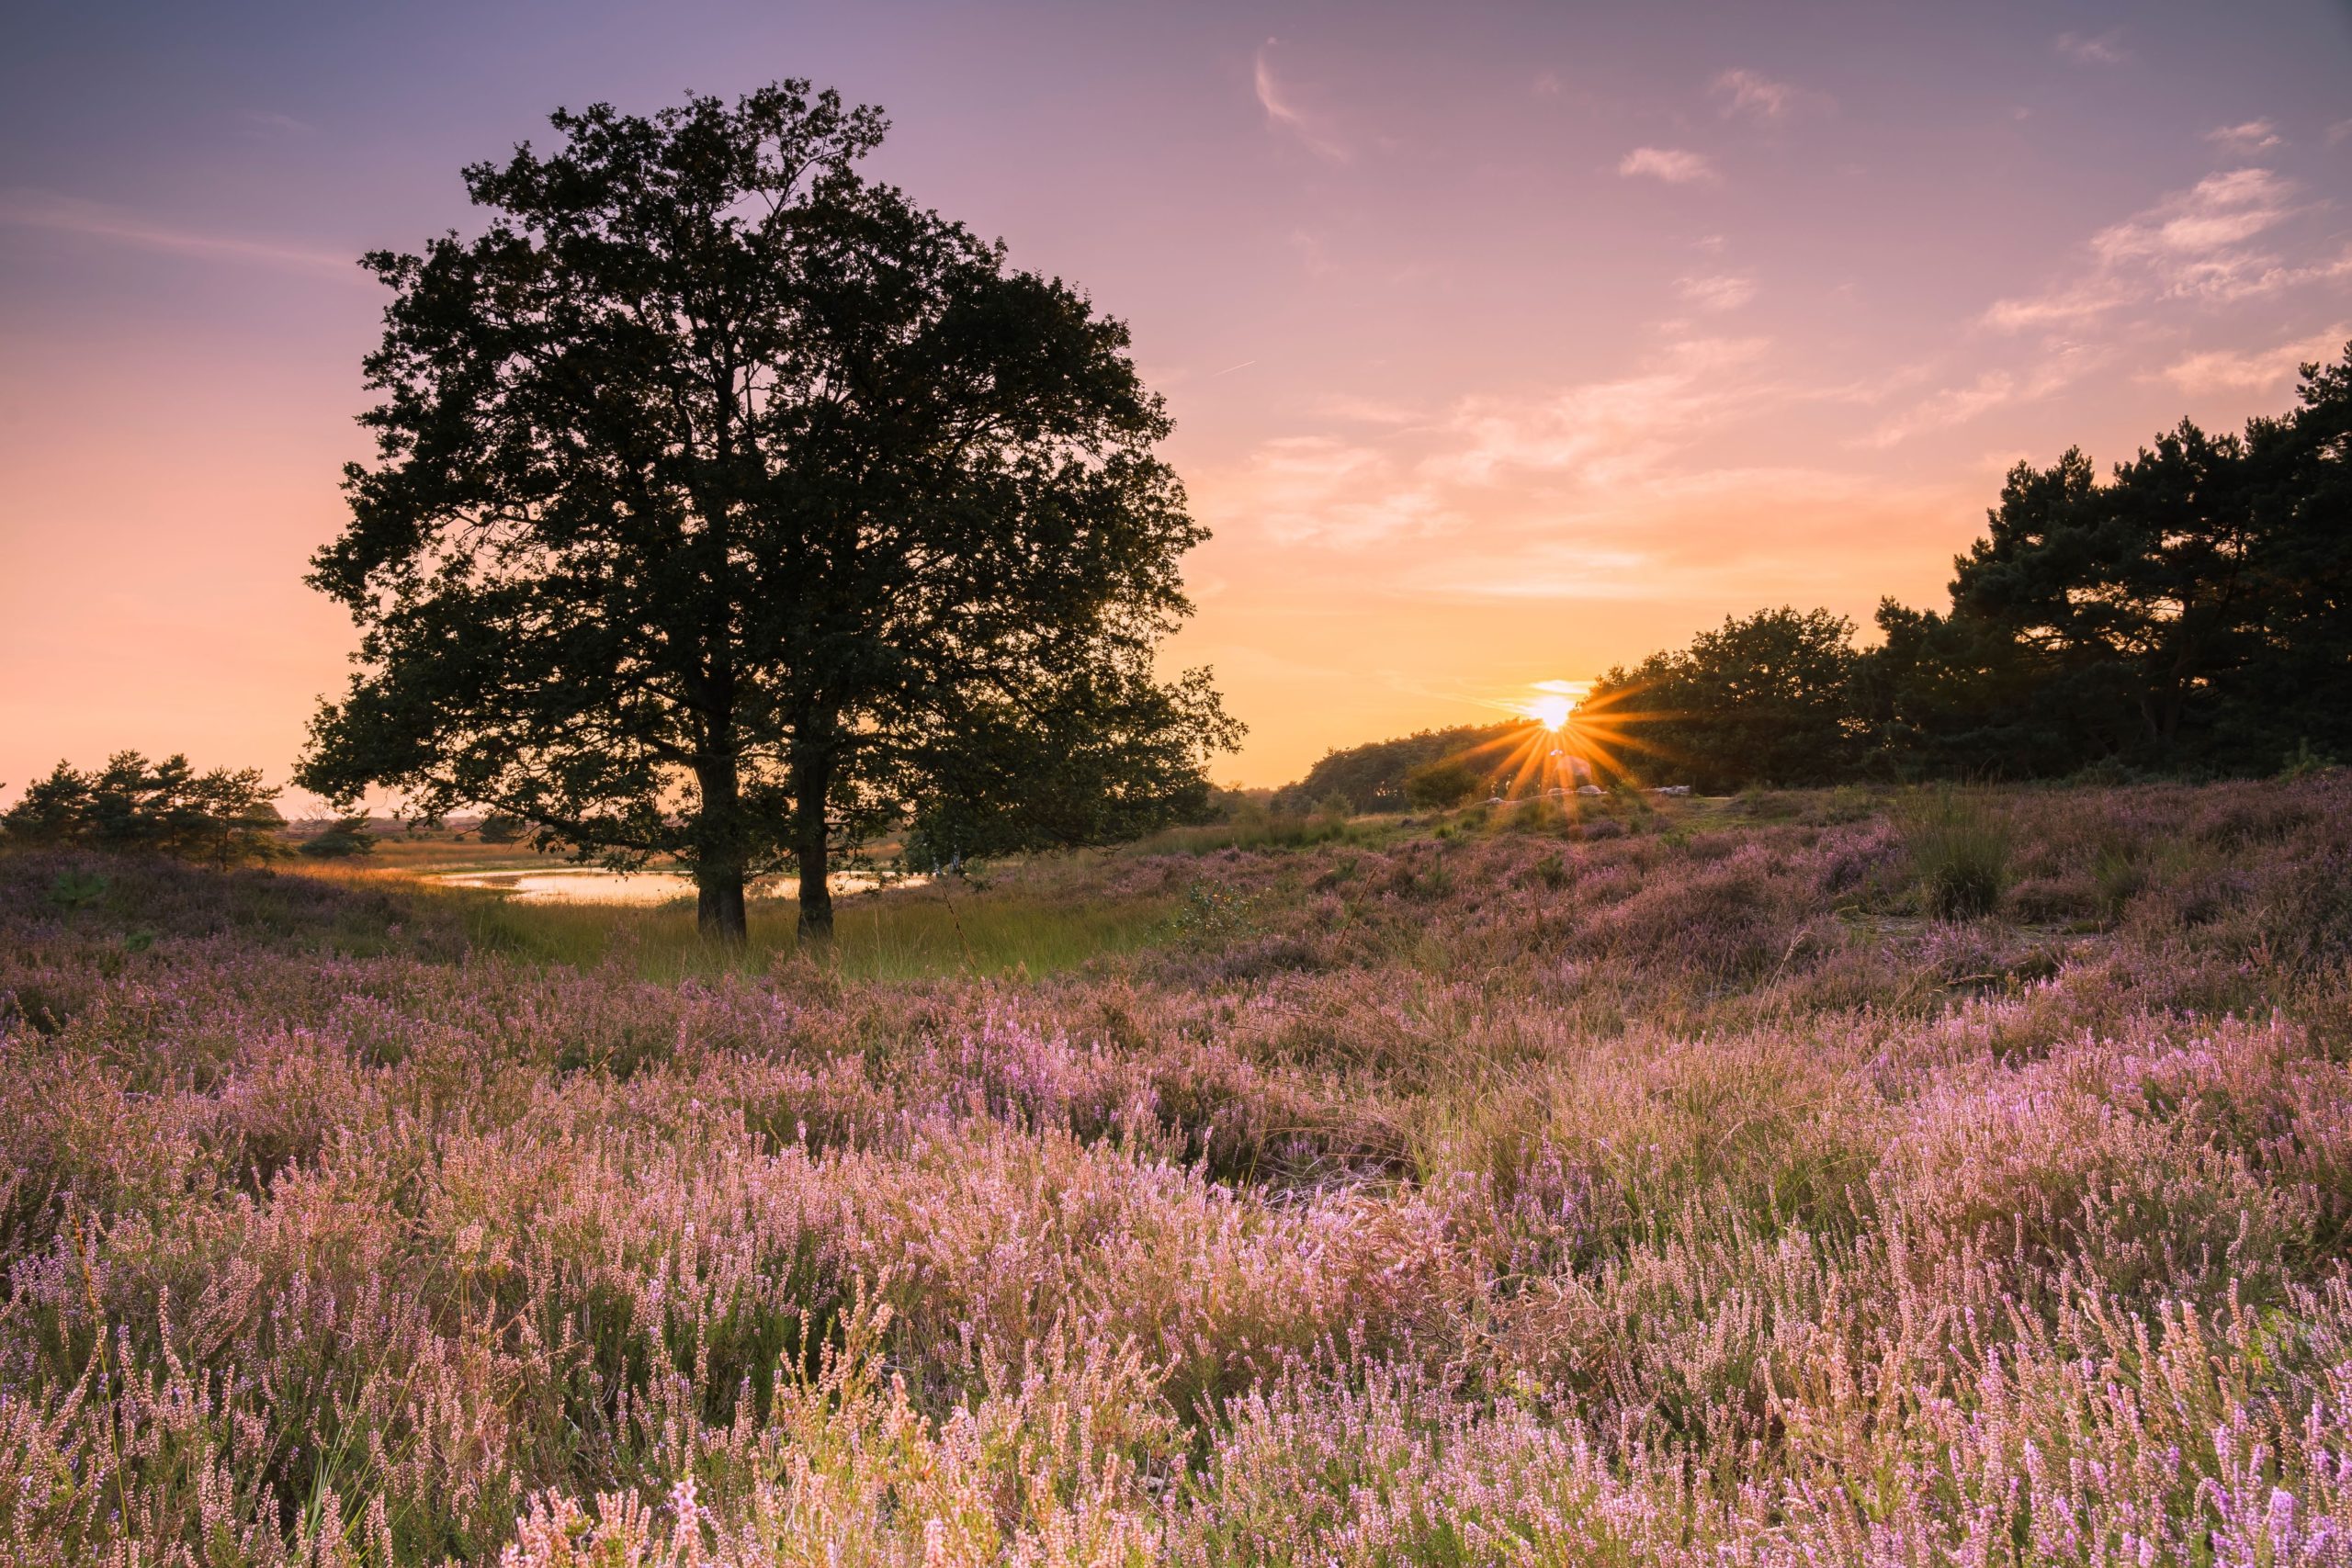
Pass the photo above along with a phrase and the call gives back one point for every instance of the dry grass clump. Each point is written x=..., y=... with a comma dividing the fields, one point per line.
x=1691, y=1195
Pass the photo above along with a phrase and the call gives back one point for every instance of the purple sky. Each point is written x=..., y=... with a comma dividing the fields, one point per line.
x=1504, y=343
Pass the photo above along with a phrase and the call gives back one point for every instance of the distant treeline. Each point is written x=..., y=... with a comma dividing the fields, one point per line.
x=1371, y=777
x=225, y=817
x=2190, y=614
x=166, y=807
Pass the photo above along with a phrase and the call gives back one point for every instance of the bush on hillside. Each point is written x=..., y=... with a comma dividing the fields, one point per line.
x=500, y=828
x=346, y=837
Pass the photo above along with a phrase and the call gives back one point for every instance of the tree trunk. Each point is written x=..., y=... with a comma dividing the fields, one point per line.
x=815, y=899
x=812, y=847
x=718, y=855
x=719, y=904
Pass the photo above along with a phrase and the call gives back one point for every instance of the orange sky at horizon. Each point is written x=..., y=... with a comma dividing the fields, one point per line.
x=1501, y=349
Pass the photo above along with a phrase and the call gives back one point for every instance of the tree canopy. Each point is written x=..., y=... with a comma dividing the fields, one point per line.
x=1763, y=699
x=730, y=506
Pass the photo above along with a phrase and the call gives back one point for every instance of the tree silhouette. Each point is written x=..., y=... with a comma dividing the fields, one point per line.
x=1761, y=699
x=730, y=506
x=168, y=807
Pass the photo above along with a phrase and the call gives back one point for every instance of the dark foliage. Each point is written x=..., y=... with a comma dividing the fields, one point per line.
x=728, y=507
x=1442, y=784
x=168, y=807
x=1371, y=777
x=2190, y=614
x=345, y=838
x=1764, y=700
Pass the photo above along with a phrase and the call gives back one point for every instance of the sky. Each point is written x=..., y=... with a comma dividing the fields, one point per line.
x=1504, y=343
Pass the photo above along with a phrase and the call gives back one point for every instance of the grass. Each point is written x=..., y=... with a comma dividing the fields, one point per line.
x=1657, y=1196
x=1959, y=843
x=897, y=934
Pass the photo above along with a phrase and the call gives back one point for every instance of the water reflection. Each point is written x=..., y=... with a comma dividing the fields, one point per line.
x=590, y=885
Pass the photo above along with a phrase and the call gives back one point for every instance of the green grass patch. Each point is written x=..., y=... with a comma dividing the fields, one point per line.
x=903, y=934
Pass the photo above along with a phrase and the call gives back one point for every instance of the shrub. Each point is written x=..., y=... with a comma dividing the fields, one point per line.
x=1960, y=848
x=497, y=828
x=2120, y=877
x=1441, y=785
x=342, y=840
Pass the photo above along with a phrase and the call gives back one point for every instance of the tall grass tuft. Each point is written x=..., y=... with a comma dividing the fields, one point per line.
x=1959, y=843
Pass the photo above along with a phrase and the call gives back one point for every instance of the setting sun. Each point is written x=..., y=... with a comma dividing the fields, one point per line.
x=1550, y=711
x=1554, y=704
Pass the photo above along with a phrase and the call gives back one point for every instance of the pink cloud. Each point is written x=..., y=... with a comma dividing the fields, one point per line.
x=2100, y=48
x=2192, y=243
x=1718, y=292
x=1754, y=96
x=1282, y=111
x=2254, y=136
x=2233, y=370
x=1675, y=165
x=92, y=220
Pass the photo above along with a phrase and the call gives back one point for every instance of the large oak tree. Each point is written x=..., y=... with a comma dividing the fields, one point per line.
x=730, y=506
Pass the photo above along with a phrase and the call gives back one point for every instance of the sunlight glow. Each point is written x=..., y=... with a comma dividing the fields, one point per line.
x=1573, y=744
x=1555, y=702
x=1549, y=712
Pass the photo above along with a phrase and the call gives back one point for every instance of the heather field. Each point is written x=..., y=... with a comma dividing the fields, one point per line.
x=1824, y=1179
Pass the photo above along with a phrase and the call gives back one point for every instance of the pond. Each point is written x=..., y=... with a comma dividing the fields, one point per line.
x=588, y=884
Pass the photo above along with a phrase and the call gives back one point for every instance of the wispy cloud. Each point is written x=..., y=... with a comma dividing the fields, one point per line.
x=2073, y=302
x=1753, y=95
x=1283, y=110
x=1723, y=291
x=96, y=220
x=2219, y=211
x=2191, y=244
x=1416, y=473
x=2233, y=370
x=1991, y=389
x=1603, y=431
x=1313, y=256
x=2093, y=49
x=2254, y=136
x=1675, y=165
x=1325, y=490
x=1369, y=410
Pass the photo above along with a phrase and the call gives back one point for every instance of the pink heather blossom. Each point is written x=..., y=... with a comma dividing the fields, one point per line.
x=1685, y=1196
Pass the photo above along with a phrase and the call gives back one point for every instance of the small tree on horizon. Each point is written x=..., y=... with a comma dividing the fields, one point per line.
x=730, y=507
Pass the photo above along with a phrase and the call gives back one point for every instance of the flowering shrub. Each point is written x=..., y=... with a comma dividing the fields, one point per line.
x=1696, y=1195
